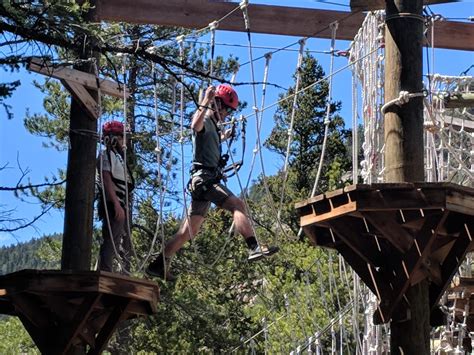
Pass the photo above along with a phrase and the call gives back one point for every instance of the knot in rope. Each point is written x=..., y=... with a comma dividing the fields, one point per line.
x=180, y=39
x=213, y=25
x=243, y=4
x=334, y=25
x=255, y=108
x=402, y=99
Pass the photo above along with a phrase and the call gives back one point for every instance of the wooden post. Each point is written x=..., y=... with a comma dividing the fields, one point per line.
x=404, y=147
x=80, y=186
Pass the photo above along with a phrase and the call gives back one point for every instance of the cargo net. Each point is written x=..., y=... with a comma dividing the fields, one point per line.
x=367, y=57
x=449, y=131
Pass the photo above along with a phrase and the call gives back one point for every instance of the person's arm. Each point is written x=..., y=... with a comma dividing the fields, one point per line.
x=111, y=196
x=197, y=123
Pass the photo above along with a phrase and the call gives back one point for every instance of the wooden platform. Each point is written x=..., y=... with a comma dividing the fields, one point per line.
x=395, y=235
x=62, y=309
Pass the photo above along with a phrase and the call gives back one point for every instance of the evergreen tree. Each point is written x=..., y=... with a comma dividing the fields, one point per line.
x=308, y=132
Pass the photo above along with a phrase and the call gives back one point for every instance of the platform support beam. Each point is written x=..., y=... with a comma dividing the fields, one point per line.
x=403, y=152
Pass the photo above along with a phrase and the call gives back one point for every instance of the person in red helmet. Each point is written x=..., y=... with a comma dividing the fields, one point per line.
x=114, y=181
x=205, y=184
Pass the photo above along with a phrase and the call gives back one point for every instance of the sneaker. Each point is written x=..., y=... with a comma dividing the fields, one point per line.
x=261, y=251
x=158, y=268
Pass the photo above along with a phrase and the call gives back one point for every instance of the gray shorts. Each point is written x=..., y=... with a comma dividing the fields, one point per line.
x=205, y=189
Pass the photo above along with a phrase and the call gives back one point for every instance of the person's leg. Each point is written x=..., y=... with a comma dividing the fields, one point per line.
x=239, y=212
x=107, y=251
x=161, y=265
x=187, y=231
x=244, y=227
x=126, y=251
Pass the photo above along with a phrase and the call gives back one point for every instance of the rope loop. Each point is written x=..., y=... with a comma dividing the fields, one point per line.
x=213, y=25
x=403, y=98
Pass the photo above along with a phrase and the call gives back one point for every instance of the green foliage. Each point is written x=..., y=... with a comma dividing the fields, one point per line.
x=14, y=339
x=309, y=128
x=36, y=254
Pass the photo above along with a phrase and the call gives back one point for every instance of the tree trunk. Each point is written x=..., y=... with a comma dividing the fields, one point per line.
x=404, y=147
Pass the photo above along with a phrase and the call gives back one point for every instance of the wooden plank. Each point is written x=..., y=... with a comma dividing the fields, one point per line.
x=411, y=261
x=453, y=260
x=363, y=247
x=460, y=202
x=371, y=5
x=47, y=281
x=82, y=95
x=280, y=20
x=88, y=80
x=118, y=314
x=80, y=320
x=386, y=225
x=336, y=212
x=396, y=199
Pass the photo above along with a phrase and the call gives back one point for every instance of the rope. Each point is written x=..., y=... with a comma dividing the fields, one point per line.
x=258, y=120
x=158, y=151
x=104, y=197
x=125, y=148
x=402, y=99
x=334, y=27
x=181, y=141
x=292, y=121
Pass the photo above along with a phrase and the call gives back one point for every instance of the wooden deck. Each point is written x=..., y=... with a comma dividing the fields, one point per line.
x=395, y=235
x=62, y=309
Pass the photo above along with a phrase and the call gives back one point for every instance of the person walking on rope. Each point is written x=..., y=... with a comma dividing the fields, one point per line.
x=205, y=183
x=113, y=175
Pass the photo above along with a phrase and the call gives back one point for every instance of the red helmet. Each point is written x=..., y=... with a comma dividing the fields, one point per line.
x=112, y=128
x=228, y=95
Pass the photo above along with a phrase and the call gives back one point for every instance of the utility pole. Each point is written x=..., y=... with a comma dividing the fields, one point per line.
x=404, y=147
x=80, y=175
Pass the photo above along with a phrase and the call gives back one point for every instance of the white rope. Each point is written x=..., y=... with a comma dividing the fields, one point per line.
x=292, y=121
x=158, y=150
x=258, y=117
x=103, y=192
x=194, y=34
x=125, y=166
x=403, y=98
x=334, y=27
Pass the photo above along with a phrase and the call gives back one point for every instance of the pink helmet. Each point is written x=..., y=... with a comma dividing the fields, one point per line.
x=112, y=128
x=228, y=95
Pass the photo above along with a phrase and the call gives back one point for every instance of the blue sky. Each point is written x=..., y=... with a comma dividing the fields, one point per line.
x=19, y=148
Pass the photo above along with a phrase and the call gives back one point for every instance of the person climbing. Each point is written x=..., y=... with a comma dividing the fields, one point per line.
x=205, y=183
x=113, y=174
